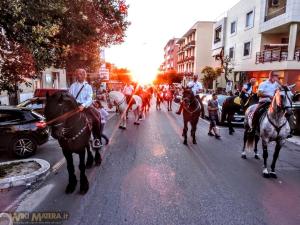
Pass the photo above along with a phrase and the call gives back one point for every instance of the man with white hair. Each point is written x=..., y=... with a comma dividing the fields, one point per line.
x=266, y=92
x=83, y=93
x=196, y=88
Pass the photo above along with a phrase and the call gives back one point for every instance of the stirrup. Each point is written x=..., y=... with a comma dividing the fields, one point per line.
x=96, y=143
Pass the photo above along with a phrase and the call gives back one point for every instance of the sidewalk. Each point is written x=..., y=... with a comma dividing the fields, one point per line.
x=294, y=140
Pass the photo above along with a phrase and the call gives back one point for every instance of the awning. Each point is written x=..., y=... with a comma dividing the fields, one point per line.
x=217, y=51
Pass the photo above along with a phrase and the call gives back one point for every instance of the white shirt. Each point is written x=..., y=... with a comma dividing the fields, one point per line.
x=195, y=86
x=85, y=97
x=104, y=115
x=128, y=90
x=268, y=88
x=248, y=92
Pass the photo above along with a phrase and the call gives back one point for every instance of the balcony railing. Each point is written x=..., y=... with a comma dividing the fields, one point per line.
x=275, y=13
x=275, y=55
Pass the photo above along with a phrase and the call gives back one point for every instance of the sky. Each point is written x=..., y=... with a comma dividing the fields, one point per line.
x=153, y=23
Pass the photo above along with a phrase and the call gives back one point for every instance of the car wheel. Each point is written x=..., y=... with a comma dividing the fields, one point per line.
x=23, y=146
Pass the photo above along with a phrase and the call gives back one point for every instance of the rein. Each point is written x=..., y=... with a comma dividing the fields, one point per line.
x=63, y=116
x=198, y=106
x=277, y=128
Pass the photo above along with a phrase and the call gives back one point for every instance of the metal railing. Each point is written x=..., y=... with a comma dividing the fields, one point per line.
x=276, y=13
x=275, y=55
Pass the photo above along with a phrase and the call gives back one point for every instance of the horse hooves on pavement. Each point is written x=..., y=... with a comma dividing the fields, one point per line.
x=230, y=133
x=266, y=175
x=244, y=157
x=185, y=143
x=273, y=175
x=194, y=142
x=257, y=157
x=84, y=187
x=71, y=187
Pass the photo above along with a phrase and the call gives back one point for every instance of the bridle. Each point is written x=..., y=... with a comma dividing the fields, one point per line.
x=114, y=102
x=190, y=103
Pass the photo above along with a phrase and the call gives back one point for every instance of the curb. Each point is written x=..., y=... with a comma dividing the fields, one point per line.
x=27, y=179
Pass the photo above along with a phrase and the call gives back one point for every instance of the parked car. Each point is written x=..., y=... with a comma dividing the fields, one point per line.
x=37, y=103
x=238, y=117
x=296, y=118
x=21, y=131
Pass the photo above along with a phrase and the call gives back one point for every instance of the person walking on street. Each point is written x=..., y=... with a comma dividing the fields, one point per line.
x=213, y=107
x=197, y=88
x=104, y=117
x=83, y=93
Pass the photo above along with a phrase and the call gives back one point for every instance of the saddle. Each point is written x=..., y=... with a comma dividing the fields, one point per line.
x=237, y=100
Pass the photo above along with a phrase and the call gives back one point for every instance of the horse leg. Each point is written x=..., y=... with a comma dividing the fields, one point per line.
x=275, y=157
x=184, y=133
x=255, y=148
x=90, y=158
x=193, y=131
x=70, y=166
x=265, y=156
x=244, y=156
x=84, y=183
x=171, y=105
x=229, y=118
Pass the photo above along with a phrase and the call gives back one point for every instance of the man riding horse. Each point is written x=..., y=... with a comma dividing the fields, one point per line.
x=266, y=91
x=83, y=93
x=247, y=91
x=197, y=88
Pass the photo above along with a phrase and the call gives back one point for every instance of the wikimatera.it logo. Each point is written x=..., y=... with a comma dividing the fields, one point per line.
x=7, y=218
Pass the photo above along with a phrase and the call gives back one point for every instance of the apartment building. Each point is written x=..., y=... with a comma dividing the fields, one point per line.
x=194, y=51
x=260, y=36
x=49, y=78
x=170, y=56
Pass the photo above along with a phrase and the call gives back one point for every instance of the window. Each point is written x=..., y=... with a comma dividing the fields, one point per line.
x=218, y=32
x=231, y=53
x=249, y=19
x=247, y=48
x=233, y=27
x=10, y=117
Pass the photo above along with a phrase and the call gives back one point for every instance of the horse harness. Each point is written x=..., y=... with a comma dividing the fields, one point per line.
x=198, y=106
x=277, y=128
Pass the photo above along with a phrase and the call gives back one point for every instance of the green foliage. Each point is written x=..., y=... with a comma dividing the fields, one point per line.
x=210, y=74
x=59, y=33
x=121, y=74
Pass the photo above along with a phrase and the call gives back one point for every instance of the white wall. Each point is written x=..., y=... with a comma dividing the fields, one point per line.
x=243, y=34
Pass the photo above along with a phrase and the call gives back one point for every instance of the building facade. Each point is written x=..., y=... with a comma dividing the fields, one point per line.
x=170, y=56
x=194, y=51
x=260, y=36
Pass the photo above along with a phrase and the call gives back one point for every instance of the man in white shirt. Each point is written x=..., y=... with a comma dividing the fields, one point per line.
x=197, y=88
x=83, y=93
x=128, y=92
x=266, y=91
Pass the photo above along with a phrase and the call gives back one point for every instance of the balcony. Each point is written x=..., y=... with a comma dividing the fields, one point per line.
x=275, y=13
x=275, y=55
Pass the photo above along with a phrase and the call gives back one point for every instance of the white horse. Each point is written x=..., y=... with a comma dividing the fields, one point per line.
x=118, y=99
x=273, y=126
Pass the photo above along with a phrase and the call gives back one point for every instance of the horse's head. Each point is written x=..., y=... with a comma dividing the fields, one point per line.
x=283, y=98
x=188, y=96
x=57, y=107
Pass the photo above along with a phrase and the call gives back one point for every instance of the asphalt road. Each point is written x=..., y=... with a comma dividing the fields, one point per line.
x=149, y=177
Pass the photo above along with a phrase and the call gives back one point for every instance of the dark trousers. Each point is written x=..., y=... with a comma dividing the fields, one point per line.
x=95, y=119
x=260, y=110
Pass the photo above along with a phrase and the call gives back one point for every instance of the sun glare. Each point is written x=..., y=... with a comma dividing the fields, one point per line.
x=143, y=78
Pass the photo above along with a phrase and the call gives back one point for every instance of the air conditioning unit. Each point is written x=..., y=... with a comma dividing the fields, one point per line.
x=275, y=3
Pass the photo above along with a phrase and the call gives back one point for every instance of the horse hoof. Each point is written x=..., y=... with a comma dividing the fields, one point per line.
x=185, y=143
x=89, y=165
x=84, y=188
x=257, y=157
x=71, y=187
x=273, y=175
x=230, y=133
x=120, y=127
x=194, y=142
x=266, y=175
x=244, y=157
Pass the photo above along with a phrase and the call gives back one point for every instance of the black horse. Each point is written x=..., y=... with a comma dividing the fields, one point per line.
x=191, y=113
x=72, y=130
x=234, y=105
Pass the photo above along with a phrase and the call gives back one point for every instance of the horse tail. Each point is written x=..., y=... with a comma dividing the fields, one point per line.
x=250, y=141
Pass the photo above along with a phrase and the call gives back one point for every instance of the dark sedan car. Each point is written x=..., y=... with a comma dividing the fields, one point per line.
x=21, y=131
x=296, y=117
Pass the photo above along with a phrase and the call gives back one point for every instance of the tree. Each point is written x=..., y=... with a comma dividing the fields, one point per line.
x=55, y=31
x=14, y=59
x=210, y=74
x=226, y=64
x=168, y=77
